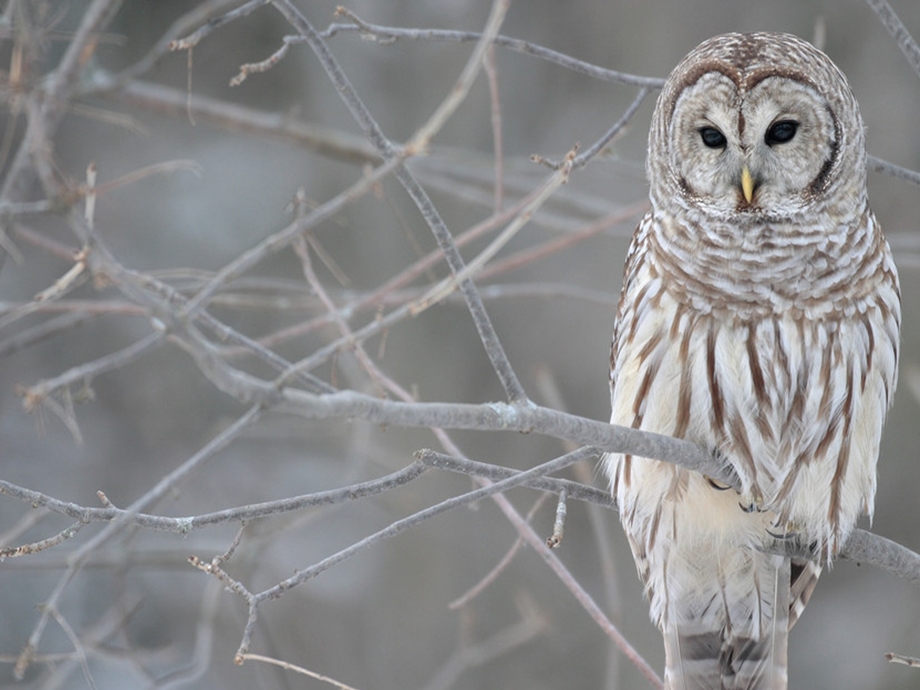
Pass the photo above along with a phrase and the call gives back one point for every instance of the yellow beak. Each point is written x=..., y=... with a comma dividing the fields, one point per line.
x=747, y=184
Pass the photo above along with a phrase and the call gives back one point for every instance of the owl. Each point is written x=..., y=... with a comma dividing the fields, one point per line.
x=759, y=318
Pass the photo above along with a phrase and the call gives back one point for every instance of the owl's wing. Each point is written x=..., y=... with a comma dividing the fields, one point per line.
x=625, y=321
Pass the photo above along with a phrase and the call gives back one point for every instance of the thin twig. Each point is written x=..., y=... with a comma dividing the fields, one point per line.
x=517, y=45
x=555, y=540
x=443, y=289
x=205, y=632
x=465, y=657
x=38, y=393
x=901, y=659
x=325, y=141
x=201, y=15
x=78, y=647
x=598, y=146
x=495, y=110
x=33, y=153
x=552, y=485
x=400, y=526
x=164, y=168
x=499, y=567
x=284, y=237
x=493, y=347
x=186, y=525
x=165, y=485
x=294, y=667
x=194, y=39
x=582, y=596
x=70, y=280
x=35, y=547
x=461, y=87
x=601, y=527
x=898, y=31
x=379, y=296
x=614, y=130
x=23, y=525
x=300, y=248
x=266, y=64
x=883, y=166
x=557, y=244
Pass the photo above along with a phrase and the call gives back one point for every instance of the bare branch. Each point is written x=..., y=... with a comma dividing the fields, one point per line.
x=37, y=394
x=587, y=602
x=883, y=166
x=45, y=118
x=392, y=33
x=898, y=31
x=193, y=40
x=529, y=626
x=285, y=237
x=238, y=118
x=500, y=567
x=115, y=526
x=294, y=667
x=185, y=525
x=584, y=158
x=901, y=659
x=25, y=549
x=419, y=143
x=555, y=540
x=440, y=291
x=344, y=355
x=865, y=547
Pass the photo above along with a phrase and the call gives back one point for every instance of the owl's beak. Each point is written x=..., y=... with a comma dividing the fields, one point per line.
x=747, y=184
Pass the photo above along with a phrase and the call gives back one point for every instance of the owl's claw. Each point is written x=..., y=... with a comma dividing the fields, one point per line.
x=750, y=502
x=786, y=531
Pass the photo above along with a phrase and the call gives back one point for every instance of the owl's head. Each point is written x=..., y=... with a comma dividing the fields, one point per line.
x=757, y=127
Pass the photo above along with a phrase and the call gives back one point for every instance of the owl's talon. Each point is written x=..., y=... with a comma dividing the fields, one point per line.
x=751, y=502
x=785, y=530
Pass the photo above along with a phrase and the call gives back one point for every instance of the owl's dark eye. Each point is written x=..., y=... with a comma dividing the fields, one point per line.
x=781, y=132
x=712, y=137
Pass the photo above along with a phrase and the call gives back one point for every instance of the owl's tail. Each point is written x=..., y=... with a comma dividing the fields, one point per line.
x=741, y=656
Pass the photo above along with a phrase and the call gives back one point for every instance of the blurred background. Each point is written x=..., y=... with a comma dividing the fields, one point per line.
x=143, y=615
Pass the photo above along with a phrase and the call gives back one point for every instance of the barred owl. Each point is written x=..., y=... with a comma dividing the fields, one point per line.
x=759, y=318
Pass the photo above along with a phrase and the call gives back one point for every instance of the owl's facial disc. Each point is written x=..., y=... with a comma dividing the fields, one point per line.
x=762, y=148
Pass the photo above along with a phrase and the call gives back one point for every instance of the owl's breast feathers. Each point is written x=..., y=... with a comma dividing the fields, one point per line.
x=779, y=354
x=824, y=269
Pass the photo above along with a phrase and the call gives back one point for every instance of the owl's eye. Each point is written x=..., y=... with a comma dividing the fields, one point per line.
x=712, y=137
x=781, y=132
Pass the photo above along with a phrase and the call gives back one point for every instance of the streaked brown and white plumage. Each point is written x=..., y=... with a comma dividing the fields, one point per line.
x=759, y=317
